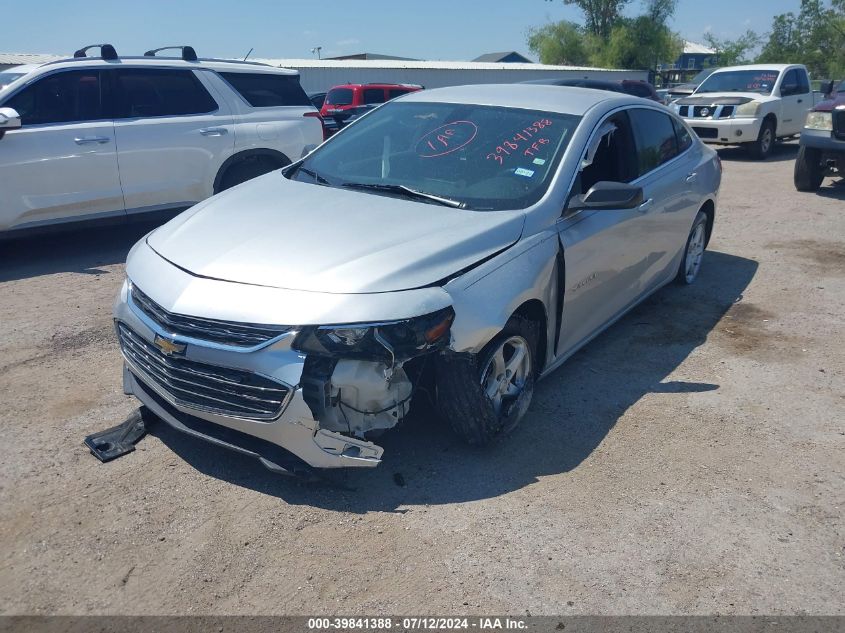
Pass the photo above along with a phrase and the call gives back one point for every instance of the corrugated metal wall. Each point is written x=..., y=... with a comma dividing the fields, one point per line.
x=317, y=78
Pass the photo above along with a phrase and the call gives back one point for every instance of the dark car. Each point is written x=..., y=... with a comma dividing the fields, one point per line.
x=822, y=145
x=626, y=86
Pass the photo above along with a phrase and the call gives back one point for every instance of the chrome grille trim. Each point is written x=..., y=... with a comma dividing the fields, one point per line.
x=213, y=330
x=201, y=386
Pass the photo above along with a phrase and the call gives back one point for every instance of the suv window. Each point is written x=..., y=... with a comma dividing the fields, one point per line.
x=392, y=93
x=612, y=160
x=638, y=90
x=152, y=92
x=655, y=138
x=265, y=90
x=73, y=95
x=373, y=95
x=339, y=96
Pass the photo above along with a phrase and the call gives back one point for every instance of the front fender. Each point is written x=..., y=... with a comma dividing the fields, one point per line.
x=487, y=296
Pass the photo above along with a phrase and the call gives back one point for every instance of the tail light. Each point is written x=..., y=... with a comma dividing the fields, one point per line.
x=316, y=115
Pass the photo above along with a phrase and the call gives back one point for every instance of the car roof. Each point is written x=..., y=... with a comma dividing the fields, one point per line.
x=377, y=85
x=562, y=99
x=21, y=68
x=777, y=67
x=220, y=65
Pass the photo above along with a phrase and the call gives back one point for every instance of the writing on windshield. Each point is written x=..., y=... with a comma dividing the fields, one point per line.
x=762, y=81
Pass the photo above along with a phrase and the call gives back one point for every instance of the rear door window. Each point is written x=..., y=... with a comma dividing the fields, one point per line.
x=265, y=90
x=155, y=92
x=373, y=95
x=392, y=93
x=64, y=97
x=683, y=135
x=340, y=96
x=654, y=135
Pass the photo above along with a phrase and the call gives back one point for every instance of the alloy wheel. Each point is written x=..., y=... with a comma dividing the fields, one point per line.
x=506, y=373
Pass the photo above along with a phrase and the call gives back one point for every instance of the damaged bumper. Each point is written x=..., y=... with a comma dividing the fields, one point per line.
x=267, y=400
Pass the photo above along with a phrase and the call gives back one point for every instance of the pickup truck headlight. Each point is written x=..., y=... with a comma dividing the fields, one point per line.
x=750, y=109
x=819, y=121
x=393, y=340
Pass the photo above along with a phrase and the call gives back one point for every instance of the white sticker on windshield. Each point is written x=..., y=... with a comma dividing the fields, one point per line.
x=523, y=172
x=539, y=161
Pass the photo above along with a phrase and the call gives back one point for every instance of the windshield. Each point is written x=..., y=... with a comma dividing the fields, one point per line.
x=704, y=74
x=7, y=78
x=762, y=81
x=339, y=96
x=485, y=157
x=841, y=87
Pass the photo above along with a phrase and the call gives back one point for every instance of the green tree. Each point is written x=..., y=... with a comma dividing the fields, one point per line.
x=599, y=15
x=560, y=43
x=736, y=51
x=639, y=43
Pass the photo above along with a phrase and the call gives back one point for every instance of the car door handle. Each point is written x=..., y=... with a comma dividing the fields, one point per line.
x=214, y=131
x=645, y=206
x=691, y=177
x=90, y=140
x=800, y=101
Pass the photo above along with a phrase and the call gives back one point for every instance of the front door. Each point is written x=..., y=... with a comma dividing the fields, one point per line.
x=61, y=165
x=172, y=137
x=796, y=100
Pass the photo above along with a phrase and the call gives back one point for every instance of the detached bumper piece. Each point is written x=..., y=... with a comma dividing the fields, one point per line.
x=118, y=440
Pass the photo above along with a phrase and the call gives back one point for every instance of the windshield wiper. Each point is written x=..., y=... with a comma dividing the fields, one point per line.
x=407, y=192
x=310, y=172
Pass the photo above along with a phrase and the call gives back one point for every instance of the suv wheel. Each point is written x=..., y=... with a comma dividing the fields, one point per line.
x=489, y=396
x=808, y=174
x=248, y=169
x=761, y=149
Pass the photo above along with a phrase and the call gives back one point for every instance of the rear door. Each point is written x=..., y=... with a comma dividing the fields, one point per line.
x=61, y=165
x=795, y=101
x=172, y=137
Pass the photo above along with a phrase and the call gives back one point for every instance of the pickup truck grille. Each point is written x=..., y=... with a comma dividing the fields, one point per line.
x=201, y=386
x=706, y=111
x=223, y=332
x=839, y=124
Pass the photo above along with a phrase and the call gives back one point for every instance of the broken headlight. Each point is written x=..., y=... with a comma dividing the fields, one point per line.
x=391, y=341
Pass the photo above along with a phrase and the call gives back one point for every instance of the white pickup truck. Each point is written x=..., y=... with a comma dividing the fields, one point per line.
x=750, y=105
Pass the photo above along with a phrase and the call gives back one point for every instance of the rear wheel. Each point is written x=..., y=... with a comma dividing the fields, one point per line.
x=485, y=396
x=694, y=252
x=761, y=149
x=249, y=168
x=808, y=174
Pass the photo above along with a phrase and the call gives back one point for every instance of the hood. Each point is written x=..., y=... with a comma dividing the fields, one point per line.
x=834, y=103
x=720, y=98
x=285, y=234
x=683, y=89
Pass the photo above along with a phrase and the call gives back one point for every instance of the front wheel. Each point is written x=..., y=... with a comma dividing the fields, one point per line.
x=762, y=148
x=808, y=174
x=489, y=395
x=694, y=252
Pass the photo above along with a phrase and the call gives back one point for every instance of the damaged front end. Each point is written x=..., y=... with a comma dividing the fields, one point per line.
x=359, y=380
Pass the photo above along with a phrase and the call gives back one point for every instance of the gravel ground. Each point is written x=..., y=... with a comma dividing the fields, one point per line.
x=689, y=461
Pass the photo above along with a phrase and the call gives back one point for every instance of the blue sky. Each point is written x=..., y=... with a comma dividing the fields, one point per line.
x=430, y=29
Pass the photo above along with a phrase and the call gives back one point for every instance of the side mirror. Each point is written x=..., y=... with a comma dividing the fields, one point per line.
x=9, y=120
x=827, y=88
x=608, y=196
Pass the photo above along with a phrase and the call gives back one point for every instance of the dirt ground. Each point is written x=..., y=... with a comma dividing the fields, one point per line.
x=691, y=460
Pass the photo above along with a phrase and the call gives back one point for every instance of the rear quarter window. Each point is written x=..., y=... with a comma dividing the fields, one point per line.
x=373, y=95
x=265, y=90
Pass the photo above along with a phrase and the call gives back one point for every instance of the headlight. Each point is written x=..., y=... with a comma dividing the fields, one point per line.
x=750, y=109
x=819, y=121
x=393, y=340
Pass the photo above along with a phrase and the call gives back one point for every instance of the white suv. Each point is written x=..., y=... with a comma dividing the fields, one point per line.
x=106, y=137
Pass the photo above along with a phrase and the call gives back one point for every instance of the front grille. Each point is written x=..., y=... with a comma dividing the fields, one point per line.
x=232, y=392
x=726, y=112
x=223, y=332
x=683, y=111
x=839, y=124
x=702, y=111
x=706, y=132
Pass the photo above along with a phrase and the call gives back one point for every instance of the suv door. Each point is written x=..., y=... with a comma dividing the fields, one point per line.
x=172, y=137
x=61, y=165
x=795, y=101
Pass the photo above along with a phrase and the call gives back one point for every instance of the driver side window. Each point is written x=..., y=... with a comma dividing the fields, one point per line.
x=612, y=159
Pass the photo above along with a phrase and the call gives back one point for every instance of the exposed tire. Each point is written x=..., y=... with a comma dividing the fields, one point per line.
x=762, y=148
x=461, y=381
x=247, y=169
x=808, y=174
x=690, y=264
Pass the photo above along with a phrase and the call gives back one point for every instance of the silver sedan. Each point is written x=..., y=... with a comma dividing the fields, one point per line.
x=461, y=242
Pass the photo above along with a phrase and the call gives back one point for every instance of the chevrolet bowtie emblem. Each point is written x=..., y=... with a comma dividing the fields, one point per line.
x=168, y=347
